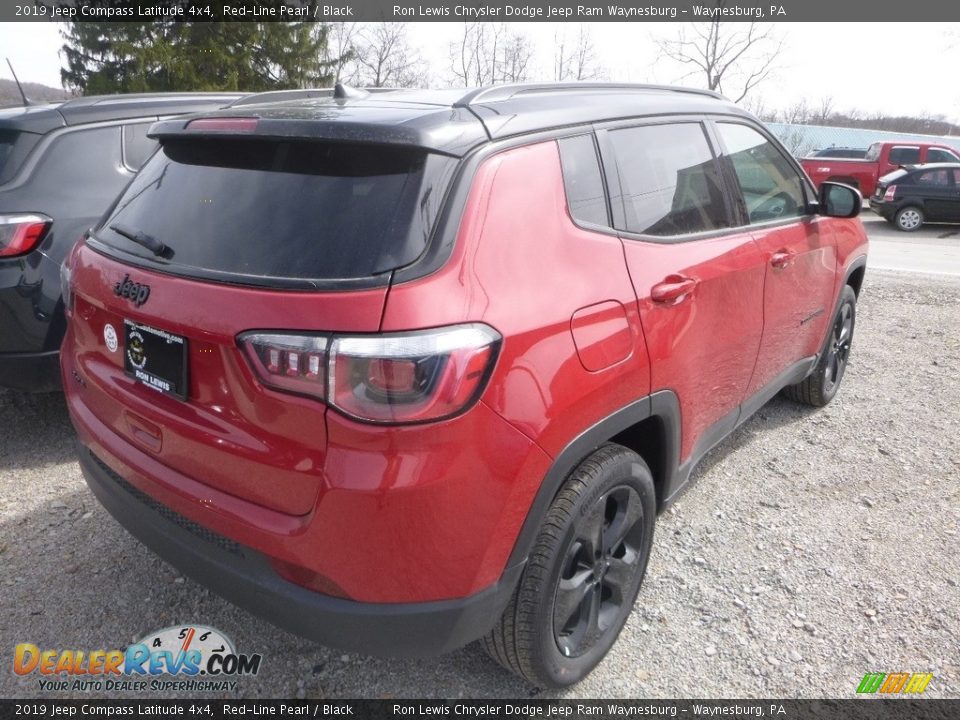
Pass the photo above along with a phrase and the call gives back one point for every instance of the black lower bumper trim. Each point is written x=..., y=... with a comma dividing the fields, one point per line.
x=31, y=372
x=245, y=577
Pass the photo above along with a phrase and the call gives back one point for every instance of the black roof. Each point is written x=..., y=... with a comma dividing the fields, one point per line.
x=100, y=108
x=454, y=121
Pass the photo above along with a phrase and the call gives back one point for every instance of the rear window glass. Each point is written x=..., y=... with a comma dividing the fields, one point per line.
x=266, y=209
x=904, y=155
x=895, y=175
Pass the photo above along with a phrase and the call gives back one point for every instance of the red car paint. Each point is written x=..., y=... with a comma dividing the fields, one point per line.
x=863, y=174
x=591, y=321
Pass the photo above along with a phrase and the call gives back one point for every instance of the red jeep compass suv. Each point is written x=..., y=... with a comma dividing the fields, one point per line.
x=403, y=371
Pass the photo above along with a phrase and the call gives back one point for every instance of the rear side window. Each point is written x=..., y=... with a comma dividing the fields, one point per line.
x=248, y=210
x=904, y=155
x=936, y=155
x=669, y=180
x=932, y=178
x=583, y=181
x=14, y=147
x=7, y=139
x=137, y=147
x=771, y=187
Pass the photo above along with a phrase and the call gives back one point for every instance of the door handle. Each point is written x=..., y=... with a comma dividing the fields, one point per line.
x=673, y=287
x=781, y=258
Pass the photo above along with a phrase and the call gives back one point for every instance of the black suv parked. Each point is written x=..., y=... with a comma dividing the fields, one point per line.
x=61, y=165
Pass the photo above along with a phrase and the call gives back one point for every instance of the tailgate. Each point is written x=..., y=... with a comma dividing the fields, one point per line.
x=226, y=431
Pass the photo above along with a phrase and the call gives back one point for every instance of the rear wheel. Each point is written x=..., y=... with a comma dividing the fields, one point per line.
x=908, y=219
x=583, y=575
x=822, y=384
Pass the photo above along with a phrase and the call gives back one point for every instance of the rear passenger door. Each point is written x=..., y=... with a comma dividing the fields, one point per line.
x=797, y=247
x=699, y=283
x=935, y=188
x=954, y=215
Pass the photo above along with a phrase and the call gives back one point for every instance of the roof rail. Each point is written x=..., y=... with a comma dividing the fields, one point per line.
x=495, y=93
x=120, y=98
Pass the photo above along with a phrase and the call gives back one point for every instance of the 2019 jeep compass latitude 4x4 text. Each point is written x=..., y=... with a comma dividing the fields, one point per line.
x=403, y=371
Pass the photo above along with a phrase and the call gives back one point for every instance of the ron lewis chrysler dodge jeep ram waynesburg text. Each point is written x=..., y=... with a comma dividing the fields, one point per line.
x=403, y=371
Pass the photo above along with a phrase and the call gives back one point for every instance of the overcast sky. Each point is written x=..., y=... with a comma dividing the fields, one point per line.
x=849, y=62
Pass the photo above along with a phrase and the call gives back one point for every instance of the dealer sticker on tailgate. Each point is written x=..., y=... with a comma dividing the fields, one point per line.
x=156, y=358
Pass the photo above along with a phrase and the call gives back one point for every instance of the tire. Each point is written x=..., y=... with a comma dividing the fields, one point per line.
x=583, y=574
x=908, y=219
x=820, y=386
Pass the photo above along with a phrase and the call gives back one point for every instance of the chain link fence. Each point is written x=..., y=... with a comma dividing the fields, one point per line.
x=802, y=140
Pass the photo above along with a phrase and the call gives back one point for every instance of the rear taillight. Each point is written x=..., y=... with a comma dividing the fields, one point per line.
x=391, y=378
x=296, y=363
x=890, y=193
x=19, y=234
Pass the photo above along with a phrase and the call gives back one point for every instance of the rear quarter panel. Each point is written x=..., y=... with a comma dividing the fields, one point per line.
x=522, y=266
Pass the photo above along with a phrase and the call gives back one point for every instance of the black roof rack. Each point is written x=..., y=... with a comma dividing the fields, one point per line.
x=454, y=121
x=145, y=98
x=104, y=108
x=495, y=93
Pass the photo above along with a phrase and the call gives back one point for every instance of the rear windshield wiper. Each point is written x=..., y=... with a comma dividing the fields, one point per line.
x=141, y=238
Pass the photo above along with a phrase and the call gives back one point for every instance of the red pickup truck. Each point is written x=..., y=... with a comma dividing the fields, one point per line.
x=881, y=158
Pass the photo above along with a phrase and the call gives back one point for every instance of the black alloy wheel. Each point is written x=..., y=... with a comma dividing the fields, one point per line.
x=583, y=572
x=600, y=564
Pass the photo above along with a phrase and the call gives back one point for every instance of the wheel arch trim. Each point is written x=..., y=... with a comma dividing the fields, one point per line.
x=662, y=405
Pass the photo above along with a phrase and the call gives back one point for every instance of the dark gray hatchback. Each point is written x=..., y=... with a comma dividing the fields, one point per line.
x=61, y=165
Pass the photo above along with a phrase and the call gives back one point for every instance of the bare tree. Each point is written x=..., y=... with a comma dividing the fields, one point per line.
x=757, y=104
x=489, y=53
x=796, y=114
x=469, y=57
x=513, y=62
x=730, y=58
x=385, y=58
x=576, y=59
x=341, y=52
x=823, y=112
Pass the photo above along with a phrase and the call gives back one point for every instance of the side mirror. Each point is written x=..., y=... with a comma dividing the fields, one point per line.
x=838, y=200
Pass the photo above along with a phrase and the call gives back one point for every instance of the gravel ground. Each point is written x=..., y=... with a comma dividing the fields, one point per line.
x=814, y=547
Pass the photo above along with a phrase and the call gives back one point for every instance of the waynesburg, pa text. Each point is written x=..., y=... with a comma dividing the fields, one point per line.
x=595, y=12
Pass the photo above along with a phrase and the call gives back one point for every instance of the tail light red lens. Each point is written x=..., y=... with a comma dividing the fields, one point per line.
x=890, y=193
x=390, y=378
x=295, y=363
x=19, y=234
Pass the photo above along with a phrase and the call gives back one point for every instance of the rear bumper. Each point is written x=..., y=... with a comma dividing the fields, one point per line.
x=31, y=372
x=31, y=310
x=246, y=578
x=884, y=210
